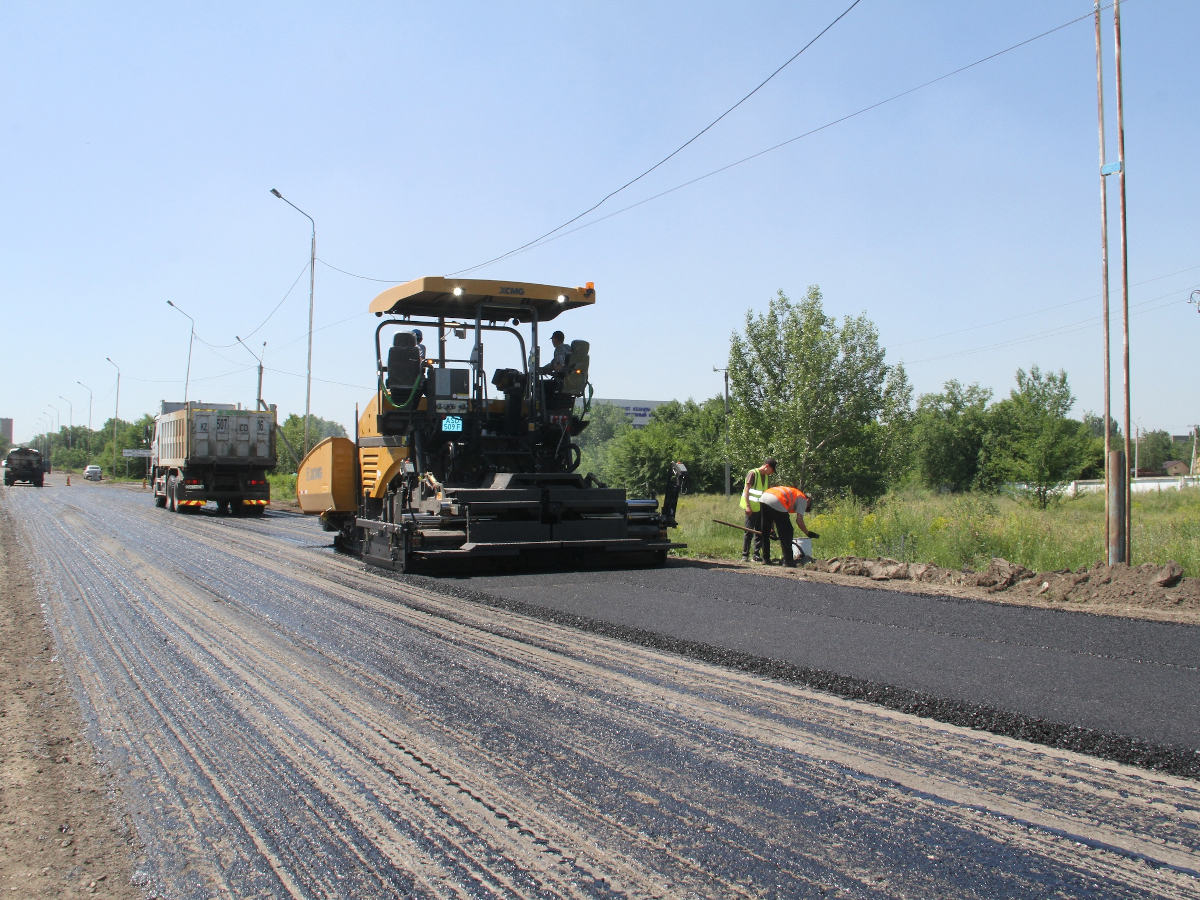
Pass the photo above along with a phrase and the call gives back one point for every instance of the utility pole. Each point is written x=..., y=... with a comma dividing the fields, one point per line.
x=258, y=359
x=1124, y=271
x=1118, y=526
x=726, y=371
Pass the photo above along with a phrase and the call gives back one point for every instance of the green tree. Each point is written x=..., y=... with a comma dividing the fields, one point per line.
x=818, y=396
x=293, y=431
x=1031, y=441
x=1154, y=448
x=948, y=433
x=605, y=422
x=640, y=459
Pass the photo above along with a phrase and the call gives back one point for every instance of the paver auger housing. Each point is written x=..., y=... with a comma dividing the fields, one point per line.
x=449, y=463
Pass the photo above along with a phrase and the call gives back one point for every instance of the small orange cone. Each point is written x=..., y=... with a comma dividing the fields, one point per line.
x=68, y=479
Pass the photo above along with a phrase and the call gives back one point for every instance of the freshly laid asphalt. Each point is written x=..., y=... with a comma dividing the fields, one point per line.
x=1118, y=688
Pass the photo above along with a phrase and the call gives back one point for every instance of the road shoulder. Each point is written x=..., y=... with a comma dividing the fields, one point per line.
x=60, y=834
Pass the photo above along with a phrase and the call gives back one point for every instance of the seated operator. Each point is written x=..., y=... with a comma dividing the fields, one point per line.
x=558, y=365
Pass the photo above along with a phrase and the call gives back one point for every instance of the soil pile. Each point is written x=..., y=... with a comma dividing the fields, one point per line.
x=1145, y=591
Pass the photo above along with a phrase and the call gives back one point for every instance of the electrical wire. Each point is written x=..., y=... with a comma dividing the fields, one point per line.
x=558, y=232
x=669, y=156
x=545, y=239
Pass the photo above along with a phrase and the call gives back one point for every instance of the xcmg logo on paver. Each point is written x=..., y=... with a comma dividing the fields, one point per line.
x=513, y=291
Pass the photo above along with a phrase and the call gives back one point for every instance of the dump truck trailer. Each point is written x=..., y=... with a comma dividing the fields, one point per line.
x=218, y=452
x=449, y=464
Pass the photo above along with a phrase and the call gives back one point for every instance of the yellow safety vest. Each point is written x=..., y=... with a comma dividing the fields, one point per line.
x=760, y=485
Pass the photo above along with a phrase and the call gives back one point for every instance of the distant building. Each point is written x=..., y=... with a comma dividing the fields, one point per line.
x=6, y=430
x=637, y=410
x=1175, y=467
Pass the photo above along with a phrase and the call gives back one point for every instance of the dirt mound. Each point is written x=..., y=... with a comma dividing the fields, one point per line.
x=1145, y=591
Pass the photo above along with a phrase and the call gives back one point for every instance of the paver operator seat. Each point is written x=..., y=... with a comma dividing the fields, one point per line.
x=404, y=370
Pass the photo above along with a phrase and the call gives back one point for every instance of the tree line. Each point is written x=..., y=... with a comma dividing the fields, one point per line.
x=817, y=394
x=72, y=448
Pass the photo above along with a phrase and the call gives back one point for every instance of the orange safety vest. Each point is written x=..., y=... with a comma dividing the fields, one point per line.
x=788, y=496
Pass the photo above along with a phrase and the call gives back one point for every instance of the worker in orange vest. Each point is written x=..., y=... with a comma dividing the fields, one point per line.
x=778, y=503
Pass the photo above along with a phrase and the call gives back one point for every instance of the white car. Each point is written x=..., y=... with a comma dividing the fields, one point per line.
x=92, y=473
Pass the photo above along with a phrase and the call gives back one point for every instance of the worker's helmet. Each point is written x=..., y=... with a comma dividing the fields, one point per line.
x=417, y=334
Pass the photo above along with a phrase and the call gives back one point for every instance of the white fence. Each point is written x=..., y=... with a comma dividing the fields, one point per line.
x=1138, y=485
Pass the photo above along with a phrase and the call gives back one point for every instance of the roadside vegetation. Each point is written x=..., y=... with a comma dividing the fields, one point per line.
x=966, y=530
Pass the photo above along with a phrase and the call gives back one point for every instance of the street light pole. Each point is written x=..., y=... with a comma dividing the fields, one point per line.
x=191, y=335
x=726, y=371
x=116, y=412
x=261, y=405
x=89, y=390
x=312, y=275
x=71, y=420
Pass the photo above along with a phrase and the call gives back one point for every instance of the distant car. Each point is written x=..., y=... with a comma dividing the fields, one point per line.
x=92, y=473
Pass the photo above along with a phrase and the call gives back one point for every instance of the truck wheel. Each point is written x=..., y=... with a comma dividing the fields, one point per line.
x=37, y=482
x=160, y=501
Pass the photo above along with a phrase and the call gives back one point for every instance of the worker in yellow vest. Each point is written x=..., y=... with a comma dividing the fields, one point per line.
x=778, y=503
x=757, y=481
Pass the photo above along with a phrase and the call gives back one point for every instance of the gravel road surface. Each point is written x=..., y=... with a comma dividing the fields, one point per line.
x=280, y=721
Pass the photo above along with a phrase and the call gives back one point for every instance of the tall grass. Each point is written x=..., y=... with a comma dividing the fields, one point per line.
x=968, y=529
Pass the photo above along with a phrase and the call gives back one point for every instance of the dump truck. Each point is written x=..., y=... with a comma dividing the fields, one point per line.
x=201, y=452
x=24, y=464
x=449, y=464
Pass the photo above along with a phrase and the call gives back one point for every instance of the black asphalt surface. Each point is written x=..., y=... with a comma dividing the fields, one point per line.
x=1118, y=688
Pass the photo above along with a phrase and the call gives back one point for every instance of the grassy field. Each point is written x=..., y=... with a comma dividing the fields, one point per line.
x=967, y=530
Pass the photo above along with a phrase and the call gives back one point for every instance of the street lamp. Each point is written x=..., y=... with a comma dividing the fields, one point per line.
x=260, y=367
x=726, y=371
x=312, y=274
x=191, y=335
x=116, y=411
x=89, y=390
x=71, y=419
x=1195, y=299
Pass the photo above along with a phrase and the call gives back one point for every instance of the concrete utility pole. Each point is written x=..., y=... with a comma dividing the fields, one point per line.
x=726, y=371
x=258, y=359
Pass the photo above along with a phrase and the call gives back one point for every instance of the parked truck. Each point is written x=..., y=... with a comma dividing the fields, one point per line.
x=24, y=464
x=212, y=451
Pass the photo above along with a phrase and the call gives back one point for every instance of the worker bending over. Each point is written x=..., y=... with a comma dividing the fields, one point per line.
x=778, y=504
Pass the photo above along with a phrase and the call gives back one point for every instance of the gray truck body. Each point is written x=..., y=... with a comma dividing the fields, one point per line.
x=212, y=451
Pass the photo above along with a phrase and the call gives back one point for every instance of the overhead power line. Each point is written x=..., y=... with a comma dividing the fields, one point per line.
x=559, y=232
x=670, y=155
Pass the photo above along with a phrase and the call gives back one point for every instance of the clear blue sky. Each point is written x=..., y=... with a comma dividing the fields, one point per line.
x=140, y=142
